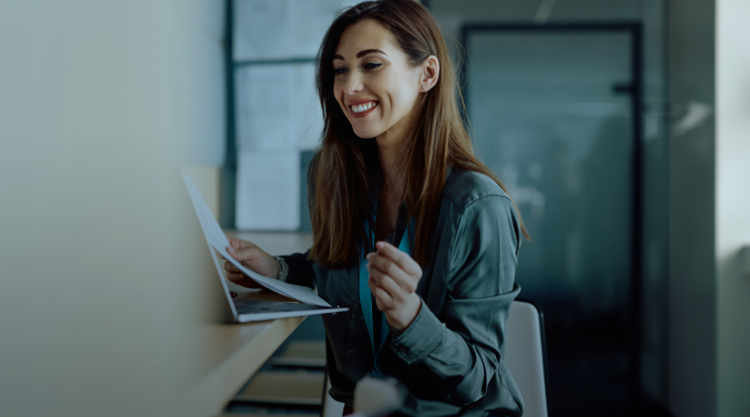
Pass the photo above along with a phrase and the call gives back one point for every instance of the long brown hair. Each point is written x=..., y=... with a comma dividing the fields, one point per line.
x=346, y=168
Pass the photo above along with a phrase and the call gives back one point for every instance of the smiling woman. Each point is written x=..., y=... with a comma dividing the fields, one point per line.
x=411, y=231
x=379, y=77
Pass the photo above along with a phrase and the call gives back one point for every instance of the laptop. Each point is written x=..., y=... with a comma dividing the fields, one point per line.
x=254, y=306
x=251, y=307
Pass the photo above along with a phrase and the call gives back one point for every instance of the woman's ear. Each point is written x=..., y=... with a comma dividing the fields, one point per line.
x=430, y=73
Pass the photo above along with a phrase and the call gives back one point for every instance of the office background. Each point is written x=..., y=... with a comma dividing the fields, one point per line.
x=104, y=272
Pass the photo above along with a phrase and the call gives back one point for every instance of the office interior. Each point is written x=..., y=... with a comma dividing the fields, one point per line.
x=621, y=127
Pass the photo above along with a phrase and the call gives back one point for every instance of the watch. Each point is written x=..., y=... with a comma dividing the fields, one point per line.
x=283, y=268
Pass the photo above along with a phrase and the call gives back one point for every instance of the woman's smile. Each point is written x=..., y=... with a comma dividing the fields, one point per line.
x=361, y=108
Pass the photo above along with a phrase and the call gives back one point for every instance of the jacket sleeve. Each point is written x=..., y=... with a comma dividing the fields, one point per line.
x=301, y=270
x=459, y=353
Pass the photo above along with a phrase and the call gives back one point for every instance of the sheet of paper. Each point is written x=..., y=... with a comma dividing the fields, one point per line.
x=211, y=229
x=268, y=190
x=264, y=113
x=282, y=29
x=217, y=240
x=262, y=30
x=310, y=20
x=308, y=117
x=297, y=292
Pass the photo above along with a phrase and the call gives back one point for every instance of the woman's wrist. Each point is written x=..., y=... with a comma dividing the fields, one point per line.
x=401, y=318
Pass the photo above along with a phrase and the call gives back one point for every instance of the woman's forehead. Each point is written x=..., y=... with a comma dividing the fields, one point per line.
x=364, y=35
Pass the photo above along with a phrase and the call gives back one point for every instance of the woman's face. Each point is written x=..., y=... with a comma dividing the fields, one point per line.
x=374, y=83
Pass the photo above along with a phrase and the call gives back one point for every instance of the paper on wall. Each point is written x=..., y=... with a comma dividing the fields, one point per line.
x=265, y=109
x=282, y=29
x=310, y=21
x=268, y=190
x=262, y=30
x=217, y=240
x=308, y=116
x=277, y=107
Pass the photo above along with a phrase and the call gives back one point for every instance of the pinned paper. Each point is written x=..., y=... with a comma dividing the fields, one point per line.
x=268, y=196
x=282, y=29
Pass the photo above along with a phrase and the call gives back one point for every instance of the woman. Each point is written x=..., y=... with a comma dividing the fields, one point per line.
x=411, y=232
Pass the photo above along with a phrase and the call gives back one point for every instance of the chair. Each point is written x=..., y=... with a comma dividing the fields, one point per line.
x=331, y=407
x=526, y=356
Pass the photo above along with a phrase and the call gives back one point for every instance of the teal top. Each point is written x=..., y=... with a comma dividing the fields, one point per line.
x=365, y=299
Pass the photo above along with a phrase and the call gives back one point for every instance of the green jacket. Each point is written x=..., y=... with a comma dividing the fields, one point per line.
x=451, y=357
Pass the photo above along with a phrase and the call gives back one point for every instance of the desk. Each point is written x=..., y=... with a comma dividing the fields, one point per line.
x=231, y=353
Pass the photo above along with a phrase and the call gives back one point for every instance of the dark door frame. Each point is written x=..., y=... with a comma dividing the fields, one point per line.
x=635, y=89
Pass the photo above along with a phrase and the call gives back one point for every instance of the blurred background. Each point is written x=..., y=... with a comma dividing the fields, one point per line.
x=621, y=128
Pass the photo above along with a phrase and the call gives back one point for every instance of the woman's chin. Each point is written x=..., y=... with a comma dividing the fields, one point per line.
x=366, y=133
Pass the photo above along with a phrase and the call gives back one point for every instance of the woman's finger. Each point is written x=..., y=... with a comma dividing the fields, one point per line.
x=384, y=300
x=234, y=242
x=245, y=252
x=242, y=280
x=229, y=267
x=235, y=276
x=402, y=259
x=386, y=283
x=390, y=268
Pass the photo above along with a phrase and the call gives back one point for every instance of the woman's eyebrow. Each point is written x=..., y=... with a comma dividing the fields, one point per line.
x=360, y=54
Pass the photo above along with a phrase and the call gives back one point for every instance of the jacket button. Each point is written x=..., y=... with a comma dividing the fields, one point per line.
x=351, y=352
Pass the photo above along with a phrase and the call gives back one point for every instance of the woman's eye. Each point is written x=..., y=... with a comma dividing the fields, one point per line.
x=372, y=65
x=339, y=71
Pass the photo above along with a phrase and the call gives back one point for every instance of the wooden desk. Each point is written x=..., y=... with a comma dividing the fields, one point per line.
x=231, y=354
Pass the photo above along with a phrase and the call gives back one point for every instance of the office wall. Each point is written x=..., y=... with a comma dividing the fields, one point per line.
x=103, y=270
x=651, y=14
x=692, y=330
x=732, y=206
x=710, y=179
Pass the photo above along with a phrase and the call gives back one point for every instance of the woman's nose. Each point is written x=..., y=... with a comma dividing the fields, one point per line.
x=353, y=83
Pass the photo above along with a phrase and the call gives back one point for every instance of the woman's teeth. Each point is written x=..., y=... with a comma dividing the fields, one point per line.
x=363, y=107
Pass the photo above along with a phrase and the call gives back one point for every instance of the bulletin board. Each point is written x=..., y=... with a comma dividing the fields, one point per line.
x=276, y=120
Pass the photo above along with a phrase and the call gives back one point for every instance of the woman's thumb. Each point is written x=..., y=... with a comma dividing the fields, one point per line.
x=246, y=254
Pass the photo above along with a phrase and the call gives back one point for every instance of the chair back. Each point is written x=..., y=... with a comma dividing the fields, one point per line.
x=331, y=407
x=525, y=356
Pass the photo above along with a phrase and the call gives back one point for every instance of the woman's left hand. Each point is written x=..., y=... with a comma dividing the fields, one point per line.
x=394, y=276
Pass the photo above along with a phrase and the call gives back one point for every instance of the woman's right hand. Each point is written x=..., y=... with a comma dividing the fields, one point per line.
x=252, y=257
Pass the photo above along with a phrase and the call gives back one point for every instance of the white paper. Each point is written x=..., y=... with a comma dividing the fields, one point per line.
x=282, y=29
x=268, y=191
x=262, y=30
x=217, y=240
x=310, y=20
x=265, y=110
x=297, y=292
x=277, y=107
x=308, y=116
x=211, y=229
